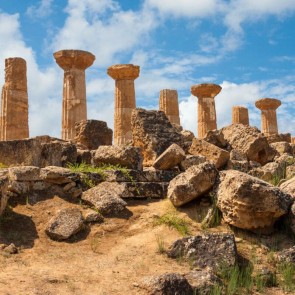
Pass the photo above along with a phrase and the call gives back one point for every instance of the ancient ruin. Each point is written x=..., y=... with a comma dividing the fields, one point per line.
x=14, y=103
x=124, y=75
x=206, y=106
x=268, y=108
x=240, y=115
x=74, y=108
x=168, y=103
x=219, y=202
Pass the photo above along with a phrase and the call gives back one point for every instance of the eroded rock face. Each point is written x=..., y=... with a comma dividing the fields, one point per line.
x=3, y=190
x=90, y=134
x=287, y=255
x=125, y=156
x=106, y=197
x=202, y=281
x=288, y=187
x=216, y=137
x=239, y=193
x=191, y=160
x=210, y=250
x=38, y=151
x=212, y=153
x=170, y=157
x=249, y=141
x=153, y=133
x=167, y=284
x=270, y=172
x=279, y=137
x=282, y=147
x=192, y=183
x=65, y=223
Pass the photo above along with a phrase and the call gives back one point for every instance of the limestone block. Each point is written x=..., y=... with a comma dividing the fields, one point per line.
x=249, y=141
x=239, y=193
x=170, y=157
x=125, y=156
x=153, y=134
x=192, y=183
x=64, y=224
x=212, y=153
x=90, y=134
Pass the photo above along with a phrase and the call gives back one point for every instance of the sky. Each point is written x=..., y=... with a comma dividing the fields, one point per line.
x=245, y=46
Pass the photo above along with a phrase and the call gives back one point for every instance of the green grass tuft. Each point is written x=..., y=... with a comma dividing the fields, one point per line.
x=173, y=221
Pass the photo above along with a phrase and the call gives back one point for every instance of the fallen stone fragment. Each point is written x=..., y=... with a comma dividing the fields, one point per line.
x=24, y=173
x=287, y=255
x=153, y=134
x=272, y=138
x=203, y=281
x=282, y=147
x=125, y=156
x=216, y=137
x=10, y=249
x=192, y=183
x=212, y=153
x=248, y=202
x=191, y=160
x=90, y=134
x=4, y=196
x=210, y=250
x=166, y=284
x=248, y=140
x=288, y=187
x=64, y=224
x=170, y=158
x=58, y=175
x=93, y=216
x=106, y=197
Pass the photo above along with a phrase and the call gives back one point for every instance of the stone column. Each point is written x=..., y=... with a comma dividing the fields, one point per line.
x=124, y=75
x=240, y=115
x=14, y=100
x=206, y=106
x=168, y=103
x=268, y=108
x=74, y=107
x=293, y=140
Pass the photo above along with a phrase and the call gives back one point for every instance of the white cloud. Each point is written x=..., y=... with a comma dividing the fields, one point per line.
x=43, y=9
x=187, y=8
x=120, y=32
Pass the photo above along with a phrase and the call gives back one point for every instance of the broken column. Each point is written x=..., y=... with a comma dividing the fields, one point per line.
x=240, y=115
x=74, y=108
x=206, y=106
x=14, y=104
x=168, y=103
x=268, y=108
x=124, y=75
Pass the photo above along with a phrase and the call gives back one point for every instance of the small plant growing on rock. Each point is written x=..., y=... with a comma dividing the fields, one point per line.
x=287, y=271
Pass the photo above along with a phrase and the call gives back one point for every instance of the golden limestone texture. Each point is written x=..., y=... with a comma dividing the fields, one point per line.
x=14, y=104
x=124, y=75
x=268, y=108
x=240, y=115
x=74, y=108
x=206, y=106
x=168, y=103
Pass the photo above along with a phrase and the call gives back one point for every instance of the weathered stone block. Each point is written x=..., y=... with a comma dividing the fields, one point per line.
x=213, y=153
x=90, y=134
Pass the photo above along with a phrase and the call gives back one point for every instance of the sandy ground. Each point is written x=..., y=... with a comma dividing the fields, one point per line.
x=105, y=259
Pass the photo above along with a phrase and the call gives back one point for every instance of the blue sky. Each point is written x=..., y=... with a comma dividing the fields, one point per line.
x=246, y=46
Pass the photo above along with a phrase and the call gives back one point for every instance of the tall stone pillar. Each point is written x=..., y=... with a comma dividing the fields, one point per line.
x=268, y=108
x=14, y=102
x=240, y=115
x=74, y=107
x=168, y=103
x=293, y=140
x=206, y=106
x=124, y=75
